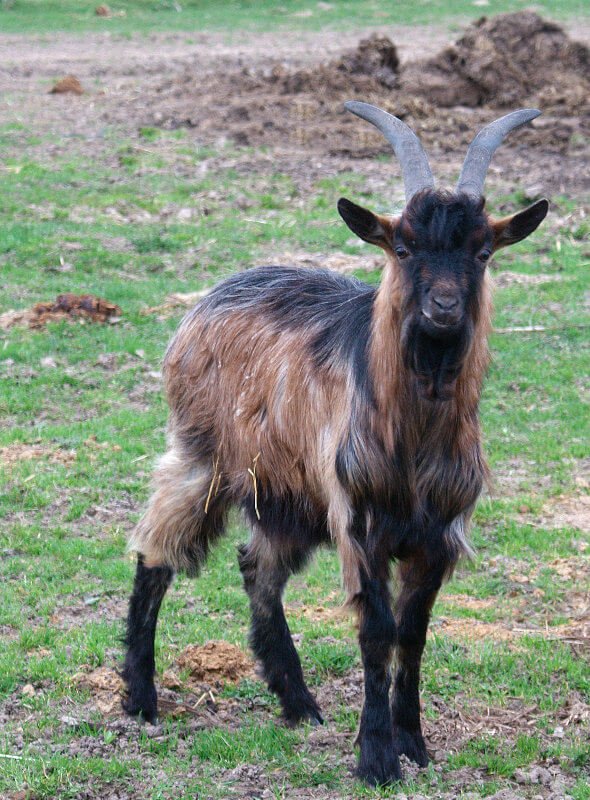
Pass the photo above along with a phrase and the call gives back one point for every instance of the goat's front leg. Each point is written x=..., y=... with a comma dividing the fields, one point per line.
x=419, y=586
x=378, y=760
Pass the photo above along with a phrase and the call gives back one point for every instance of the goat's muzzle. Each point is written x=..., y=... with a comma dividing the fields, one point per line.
x=442, y=313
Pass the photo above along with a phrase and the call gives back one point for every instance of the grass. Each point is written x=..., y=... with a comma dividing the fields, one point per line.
x=118, y=227
x=59, y=558
x=191, y=17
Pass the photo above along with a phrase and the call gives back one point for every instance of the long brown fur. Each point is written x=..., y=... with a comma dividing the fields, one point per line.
x=278, y=419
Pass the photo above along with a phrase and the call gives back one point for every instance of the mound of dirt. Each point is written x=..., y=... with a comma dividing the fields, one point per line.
x=372, y=64
x=69, y=305
x=502, y=60
x=215, y=661
x=69, y=84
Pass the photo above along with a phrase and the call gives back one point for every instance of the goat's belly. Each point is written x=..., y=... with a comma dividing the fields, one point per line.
x=289, y=519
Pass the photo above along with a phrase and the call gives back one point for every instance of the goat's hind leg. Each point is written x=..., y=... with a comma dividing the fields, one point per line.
x=265, y=571
x=149, y=588
x=181, y=521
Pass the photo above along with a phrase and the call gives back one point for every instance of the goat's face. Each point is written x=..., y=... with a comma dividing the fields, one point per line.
x=439, y=248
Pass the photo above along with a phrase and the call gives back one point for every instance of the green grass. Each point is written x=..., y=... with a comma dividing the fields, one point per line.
x=60, y=558
x=117, y=227
x=193, y=16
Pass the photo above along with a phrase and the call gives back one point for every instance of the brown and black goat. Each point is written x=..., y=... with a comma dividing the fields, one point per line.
x=330, y=411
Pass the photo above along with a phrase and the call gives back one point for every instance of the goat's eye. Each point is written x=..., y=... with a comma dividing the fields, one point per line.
x=484, y=255
x=401, y=252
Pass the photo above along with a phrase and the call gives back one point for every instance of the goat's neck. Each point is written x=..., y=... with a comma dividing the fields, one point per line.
x=394, y=386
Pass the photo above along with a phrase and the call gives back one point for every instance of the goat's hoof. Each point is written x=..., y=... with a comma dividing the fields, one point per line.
x=143, y=705
x=382, y=769
x=312, y=717
x=410, y=744
x=304, y=710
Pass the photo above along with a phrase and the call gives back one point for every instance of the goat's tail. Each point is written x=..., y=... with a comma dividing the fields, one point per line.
x=185, y=515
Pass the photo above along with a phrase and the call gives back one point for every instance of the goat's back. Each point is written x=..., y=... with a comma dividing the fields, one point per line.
x=261, y=373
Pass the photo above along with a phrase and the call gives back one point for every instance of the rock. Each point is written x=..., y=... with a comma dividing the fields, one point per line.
x=520, y=776
x=540, y=775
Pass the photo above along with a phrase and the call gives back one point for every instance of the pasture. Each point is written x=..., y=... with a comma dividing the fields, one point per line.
x=210, y=137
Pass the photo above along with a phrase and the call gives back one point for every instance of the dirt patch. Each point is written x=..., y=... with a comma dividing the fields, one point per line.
x=458, y=723
x=445, y=98
x=215, y=661
x=83, y=307
x=471, y=603
x=106, y=686
x=474, y=629
x=504, y=279
x=373, y=63
x=15, y=453
x=343, y=263
x=175, y=300
x=566, y=512
x=500, y=61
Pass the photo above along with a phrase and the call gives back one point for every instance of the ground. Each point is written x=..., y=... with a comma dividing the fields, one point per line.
x=196, y=150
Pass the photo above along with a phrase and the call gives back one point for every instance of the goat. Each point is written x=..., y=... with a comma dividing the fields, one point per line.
x=330, y=411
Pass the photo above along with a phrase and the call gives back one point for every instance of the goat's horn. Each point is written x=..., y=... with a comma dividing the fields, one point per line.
x=408, y=149
x=484, y=146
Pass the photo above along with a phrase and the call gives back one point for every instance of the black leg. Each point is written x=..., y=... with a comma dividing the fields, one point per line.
x=149, y=588
x=419, y=588
x=265, y=573
x=378, y=760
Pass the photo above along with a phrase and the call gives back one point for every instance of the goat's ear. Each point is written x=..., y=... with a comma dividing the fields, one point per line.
x=513, y=229
x=368, y=226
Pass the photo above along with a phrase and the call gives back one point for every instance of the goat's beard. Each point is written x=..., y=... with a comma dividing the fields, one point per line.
x=434, y=361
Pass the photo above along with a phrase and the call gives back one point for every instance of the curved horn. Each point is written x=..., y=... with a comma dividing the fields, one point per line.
x=410, y=153
x=484, y=146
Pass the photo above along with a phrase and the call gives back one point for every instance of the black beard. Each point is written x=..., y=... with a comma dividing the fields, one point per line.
x=435, y=361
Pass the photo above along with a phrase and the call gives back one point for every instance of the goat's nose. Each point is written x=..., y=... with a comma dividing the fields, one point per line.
x=446, y=302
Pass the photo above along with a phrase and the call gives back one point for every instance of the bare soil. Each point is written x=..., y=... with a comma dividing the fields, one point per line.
x=65, y=306
x=286, y=94
x=509, y=61
x=215, y=661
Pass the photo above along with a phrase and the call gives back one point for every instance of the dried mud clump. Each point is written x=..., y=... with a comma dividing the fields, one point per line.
x=215, y=661
x=502, y=60
x=372, y=64
x=102, y=11
x=69, y=305
x=68, y=85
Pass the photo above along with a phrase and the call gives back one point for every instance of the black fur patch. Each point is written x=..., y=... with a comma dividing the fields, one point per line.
x=149, y=588
x=442, y=221
x=288, y=519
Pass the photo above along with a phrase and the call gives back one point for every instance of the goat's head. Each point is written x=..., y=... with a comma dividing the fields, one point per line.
x=439, y=246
